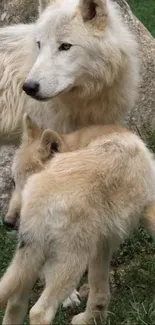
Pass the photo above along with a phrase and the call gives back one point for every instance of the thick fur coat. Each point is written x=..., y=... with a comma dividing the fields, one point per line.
x=89, y=190
x=93, y=81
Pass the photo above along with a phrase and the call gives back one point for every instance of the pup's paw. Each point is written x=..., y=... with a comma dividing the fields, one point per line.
x=72, y=300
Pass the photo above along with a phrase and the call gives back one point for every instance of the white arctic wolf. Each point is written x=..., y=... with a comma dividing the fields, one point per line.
x=78, y=56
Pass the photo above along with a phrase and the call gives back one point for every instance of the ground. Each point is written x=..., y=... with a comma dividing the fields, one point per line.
x=133, y=266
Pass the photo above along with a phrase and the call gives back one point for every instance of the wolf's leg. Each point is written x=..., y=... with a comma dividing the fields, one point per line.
x=98, y=278
x=18, y=281
x=72, y=300
x=16, y=308
x=62, y=276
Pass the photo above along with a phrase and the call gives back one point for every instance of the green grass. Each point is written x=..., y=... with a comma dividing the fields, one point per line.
x=145, y=11
x=7, y=247
x=133, y=290
x=151, y=139
x=132, y=281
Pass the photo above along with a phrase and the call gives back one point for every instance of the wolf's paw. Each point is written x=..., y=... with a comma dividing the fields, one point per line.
x=80, y=319
x=87, y=319
x=72, y=300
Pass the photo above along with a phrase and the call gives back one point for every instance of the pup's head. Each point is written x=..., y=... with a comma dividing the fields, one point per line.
x=36, y=149
x=74, y=46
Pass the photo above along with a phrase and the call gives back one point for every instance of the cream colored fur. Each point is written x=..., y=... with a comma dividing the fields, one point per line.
x=76, y=209
x=101, y=68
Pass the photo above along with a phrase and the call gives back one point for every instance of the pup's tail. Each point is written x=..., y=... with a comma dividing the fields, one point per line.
x=22, y=272
x=149, y=218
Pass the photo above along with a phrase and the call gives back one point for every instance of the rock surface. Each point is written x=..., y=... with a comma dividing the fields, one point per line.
x=6, y=154
x=141, y=118
x=17, y=11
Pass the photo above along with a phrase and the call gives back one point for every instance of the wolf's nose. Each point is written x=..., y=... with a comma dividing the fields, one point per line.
x=31, y=88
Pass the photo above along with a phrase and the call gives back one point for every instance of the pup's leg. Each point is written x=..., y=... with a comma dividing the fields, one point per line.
x=98, y=278
x=61, y=279
x=18, y=281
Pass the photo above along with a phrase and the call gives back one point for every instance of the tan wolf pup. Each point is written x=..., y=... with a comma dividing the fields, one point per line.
x=74, y=213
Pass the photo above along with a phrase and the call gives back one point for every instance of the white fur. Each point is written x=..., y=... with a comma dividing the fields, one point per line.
x=72, y=300
x=98, y=76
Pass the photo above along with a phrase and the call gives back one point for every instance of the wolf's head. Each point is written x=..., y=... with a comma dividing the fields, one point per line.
x=77, y=49
x=36, y=149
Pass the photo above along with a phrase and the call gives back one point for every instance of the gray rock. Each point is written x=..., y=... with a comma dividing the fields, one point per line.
x=140, y=119
x=6, y=154
x=17, y=11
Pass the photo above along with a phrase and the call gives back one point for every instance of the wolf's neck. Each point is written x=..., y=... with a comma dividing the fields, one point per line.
x=81, y=110
x=75, y=111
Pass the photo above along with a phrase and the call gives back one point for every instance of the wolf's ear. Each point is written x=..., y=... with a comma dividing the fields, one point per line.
x=30, y=129
x=93, y=9
x=51, y=142
x=43, y=4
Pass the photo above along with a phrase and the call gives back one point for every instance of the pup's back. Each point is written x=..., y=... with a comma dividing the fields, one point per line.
x=84, y=136
x=114, y=168
x=114, y=152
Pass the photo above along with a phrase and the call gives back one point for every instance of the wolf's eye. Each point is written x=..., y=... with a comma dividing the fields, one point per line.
x=65, y=47
x=39, y=45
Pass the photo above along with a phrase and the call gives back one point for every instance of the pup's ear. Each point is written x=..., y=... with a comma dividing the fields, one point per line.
x=51, y=142
x=93, y=9
x=43, y=4
x=30, y=129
